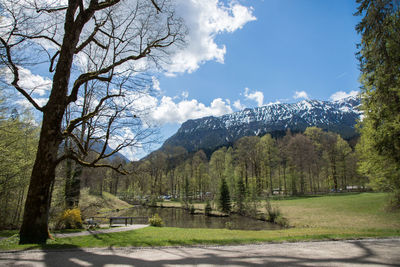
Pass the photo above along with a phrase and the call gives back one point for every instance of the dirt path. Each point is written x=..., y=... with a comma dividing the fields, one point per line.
x=372, y=252
x=102, y=231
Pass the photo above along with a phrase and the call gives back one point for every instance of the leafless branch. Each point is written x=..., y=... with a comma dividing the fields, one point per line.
x=50, y=10
x=91, y=38
x=156, y=6
x=95, y=5
x=74, y=157
x=53, y=58
x=78, y=143
x=76, y=121
x=15, y=72
x=38, y=37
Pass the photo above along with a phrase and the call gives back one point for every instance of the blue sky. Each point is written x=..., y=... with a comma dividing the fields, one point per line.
x=289, y=50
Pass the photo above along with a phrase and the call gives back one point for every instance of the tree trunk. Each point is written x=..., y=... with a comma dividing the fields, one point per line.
x=35, y=220
x=334, y=175
x=311, y=180
x=270, y=181
x=72, y=195
x=284, y=178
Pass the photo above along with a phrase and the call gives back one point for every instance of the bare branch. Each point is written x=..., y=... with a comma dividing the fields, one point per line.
x=15, y=72
x=38, y=37
x=91, y=38
x=156, y=6
x=76, y=121
x=95, y=74
x=78, y=143
x=95, y=5
x=83, y=78
x=52, y=61
x=107, y=137
x=92, y=164
x=50, y=10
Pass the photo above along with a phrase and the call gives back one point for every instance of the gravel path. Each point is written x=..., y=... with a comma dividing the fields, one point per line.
x=102, y=231
x=370, y=252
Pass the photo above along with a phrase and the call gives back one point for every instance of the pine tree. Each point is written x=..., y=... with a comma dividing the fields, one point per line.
x=224, y=197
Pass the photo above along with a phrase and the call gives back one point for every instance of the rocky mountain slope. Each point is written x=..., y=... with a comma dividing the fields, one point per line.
x=209, y=133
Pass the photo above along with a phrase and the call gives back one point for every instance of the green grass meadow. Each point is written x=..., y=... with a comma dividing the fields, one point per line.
x=347, y=216
x=357, y=211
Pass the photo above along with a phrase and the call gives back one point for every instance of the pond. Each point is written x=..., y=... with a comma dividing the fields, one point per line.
x=176, y=217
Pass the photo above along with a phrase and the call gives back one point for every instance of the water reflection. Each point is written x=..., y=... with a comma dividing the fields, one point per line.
x=176, y=217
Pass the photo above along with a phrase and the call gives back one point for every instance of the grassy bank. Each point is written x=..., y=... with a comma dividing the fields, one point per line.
x=357, y=211
x=315, y=218
x=91, y=205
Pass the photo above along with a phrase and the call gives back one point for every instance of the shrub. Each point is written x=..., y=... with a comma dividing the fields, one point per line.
x=229, y=225
x=274, y=215
x=156, y=221
x=272, y=212
x=153, y=201
x=282, y=221
x=71, y=219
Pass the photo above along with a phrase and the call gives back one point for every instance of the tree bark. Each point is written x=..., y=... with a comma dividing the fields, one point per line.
x=35, y=220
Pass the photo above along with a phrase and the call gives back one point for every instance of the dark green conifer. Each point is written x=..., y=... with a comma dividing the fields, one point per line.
x=224, y=197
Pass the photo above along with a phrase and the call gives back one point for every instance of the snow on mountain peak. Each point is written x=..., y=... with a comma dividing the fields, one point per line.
x=207, y=133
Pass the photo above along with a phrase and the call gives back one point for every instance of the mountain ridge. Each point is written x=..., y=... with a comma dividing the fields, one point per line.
x=209, y=133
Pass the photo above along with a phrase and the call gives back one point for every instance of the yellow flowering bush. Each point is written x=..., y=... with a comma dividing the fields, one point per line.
x=71, y=219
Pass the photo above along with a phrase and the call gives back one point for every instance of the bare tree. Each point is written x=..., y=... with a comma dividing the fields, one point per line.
x=114, y=38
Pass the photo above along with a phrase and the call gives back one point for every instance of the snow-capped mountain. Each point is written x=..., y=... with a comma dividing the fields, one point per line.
x=209, y=133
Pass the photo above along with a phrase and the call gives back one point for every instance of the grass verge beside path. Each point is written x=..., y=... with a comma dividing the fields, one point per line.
x=169, y=236
x=342, y=216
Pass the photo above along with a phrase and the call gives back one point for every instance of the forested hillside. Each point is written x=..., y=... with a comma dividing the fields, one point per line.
x=312, y=162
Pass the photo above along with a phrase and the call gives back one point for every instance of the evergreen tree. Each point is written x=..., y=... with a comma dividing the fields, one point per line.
x=224, y=197
x=379, y=57
x=240, y=197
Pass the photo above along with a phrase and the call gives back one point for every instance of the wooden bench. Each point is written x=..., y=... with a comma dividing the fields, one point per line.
x=126, y=220
x=92, y=223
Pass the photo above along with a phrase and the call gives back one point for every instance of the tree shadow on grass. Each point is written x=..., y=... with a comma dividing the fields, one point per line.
x=254, y=255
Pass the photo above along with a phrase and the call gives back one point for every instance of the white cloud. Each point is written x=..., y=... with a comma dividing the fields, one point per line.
x=156, y=83
x=206, y=19
x=238, y=105
x=341, y=94
x=185, y=94
x=256, y=96
x=301, y=94
x=169, y=111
